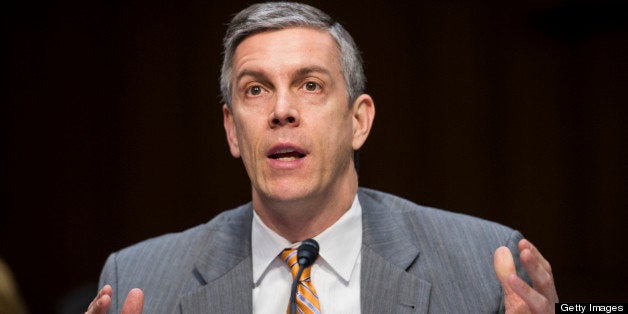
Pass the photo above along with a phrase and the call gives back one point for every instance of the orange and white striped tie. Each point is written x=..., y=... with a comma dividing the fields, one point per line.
x=306, y=298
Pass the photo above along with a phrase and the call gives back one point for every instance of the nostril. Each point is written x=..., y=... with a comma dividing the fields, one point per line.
x=275, y=121
x=290, y=119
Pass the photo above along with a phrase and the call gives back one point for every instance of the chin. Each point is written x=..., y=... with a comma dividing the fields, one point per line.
x=289, y=192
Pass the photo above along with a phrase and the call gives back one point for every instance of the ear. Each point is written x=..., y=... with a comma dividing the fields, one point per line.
x=363, y=111
x=231, y=130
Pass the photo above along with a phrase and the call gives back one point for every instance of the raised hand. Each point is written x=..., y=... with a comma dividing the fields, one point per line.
x=519, y=297
x=102, y=302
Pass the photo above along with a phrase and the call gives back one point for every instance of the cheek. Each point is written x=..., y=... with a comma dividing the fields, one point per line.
x=337, y=138
x=247, y=137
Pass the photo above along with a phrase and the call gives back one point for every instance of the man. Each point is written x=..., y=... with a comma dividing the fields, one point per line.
x=295, y=112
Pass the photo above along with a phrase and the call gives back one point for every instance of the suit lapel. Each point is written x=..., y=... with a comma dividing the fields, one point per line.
x=225, y=275
x=224, y=270
x=387, y=254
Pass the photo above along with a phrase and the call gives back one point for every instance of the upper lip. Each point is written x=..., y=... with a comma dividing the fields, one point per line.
x=280, y=149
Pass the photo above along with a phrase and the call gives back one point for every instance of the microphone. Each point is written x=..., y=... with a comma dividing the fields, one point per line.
x=307, y=253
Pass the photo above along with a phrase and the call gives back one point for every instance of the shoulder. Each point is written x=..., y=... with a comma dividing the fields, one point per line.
x=182, y=243
x=164, y=266
x=174, y=252
x=440, y=232
x=455, y=251
x=429, y=220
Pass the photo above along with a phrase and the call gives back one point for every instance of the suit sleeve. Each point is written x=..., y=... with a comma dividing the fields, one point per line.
x=109, y=276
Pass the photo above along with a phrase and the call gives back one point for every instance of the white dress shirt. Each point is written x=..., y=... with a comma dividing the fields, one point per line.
x=335, y=274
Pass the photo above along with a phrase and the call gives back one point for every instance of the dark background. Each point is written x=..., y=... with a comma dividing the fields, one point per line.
x=513, y=111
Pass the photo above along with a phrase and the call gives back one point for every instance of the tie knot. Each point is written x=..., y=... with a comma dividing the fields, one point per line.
x=289, y=256
x=306, y=300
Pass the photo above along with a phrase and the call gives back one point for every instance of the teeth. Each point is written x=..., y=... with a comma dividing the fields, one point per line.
x=284, y=151
x=288, y=158
x=286, y=154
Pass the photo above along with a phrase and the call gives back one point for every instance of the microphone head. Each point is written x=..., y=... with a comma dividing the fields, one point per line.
x=307, y=252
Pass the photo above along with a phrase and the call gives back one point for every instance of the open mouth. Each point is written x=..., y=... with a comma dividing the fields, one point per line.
x=287, y=154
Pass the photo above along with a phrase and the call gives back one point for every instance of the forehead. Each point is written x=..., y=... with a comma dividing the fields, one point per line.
x=286, y=49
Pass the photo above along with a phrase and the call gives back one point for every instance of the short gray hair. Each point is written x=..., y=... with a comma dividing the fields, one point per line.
x=269, y=16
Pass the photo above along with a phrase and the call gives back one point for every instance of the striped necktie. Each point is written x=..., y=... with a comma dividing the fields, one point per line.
x=306, y=298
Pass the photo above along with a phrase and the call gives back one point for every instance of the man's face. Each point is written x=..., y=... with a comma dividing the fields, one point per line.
x=290, y=120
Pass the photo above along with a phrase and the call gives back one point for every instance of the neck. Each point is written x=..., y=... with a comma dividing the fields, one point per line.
x=297, y=220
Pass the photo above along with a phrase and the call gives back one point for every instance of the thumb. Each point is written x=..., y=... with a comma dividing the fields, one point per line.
x=134, y=302
x=504, y=265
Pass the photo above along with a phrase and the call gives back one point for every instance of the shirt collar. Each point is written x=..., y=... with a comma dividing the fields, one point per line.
x=340, y=244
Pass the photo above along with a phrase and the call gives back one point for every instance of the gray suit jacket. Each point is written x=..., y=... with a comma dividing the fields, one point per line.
x=414, y=260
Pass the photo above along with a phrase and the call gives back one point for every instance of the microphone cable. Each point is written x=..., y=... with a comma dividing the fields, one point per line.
x=307, y=253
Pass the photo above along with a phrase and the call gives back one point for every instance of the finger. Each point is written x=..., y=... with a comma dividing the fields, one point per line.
x=106, y=289
x=134, y=302
x=536, y=302
x=101, y=302
x=525, y=244
x=539, y=270
x=504, y=265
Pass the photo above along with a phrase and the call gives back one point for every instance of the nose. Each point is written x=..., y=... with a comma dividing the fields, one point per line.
x=285, y=112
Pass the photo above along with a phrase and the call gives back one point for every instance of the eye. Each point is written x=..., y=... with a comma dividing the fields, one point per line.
x=311, y=86
x=254, y=90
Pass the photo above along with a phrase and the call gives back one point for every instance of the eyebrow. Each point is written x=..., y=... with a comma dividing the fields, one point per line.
x=312, y=69
x=261, y=76
x=258, y=75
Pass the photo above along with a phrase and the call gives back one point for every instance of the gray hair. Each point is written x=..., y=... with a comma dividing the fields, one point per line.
x=268, y=16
